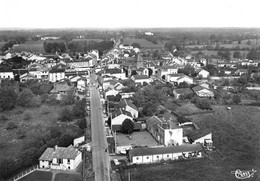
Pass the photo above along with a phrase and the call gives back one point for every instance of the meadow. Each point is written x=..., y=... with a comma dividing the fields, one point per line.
x=30, y=46
x=235, y=134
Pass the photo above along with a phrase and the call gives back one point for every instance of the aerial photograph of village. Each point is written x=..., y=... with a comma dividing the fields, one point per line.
x=122, y=90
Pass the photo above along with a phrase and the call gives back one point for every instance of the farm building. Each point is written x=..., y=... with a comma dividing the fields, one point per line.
x=61, y=158
x=157, y=154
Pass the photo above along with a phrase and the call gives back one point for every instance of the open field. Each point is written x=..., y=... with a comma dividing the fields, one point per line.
x=30, y=46
x=38, y=175
x=38, y=123
x=67, y=177
x=143, y=42
x=212, y=52
x=235, y=133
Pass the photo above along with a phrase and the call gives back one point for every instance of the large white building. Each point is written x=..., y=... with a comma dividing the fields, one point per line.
x=157, y=154
x=56, y=75
x=61, y=158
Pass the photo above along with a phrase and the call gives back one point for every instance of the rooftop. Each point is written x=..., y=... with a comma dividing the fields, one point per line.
x=59, y=152
x=165, y=150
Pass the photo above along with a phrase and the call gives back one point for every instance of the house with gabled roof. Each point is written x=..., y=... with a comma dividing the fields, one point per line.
x=118, y=117
x=140, y=79
x=165, y=131
x=182, y=92
x=128, y=106
x=203, y=73
x=202, y=91
x=115, y=72
x=6, y=74
x=203, y=137
x=178, y=78
x=61, y=158
x=241, y=72
x=27, y=76
x=162, y=72
x=60, y=88
x=157, y=154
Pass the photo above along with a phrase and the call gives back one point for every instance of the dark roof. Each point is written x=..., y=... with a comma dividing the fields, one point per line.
x=183, y=91
x=56, y=70
x=123, y=103
x=113, y=71
x=198, y=88
x=19, y=71
x=119, y=112
x=138, y=77
x=59, y=152
x=165, y=150
x=116, y=127
x=194, y=135
x=61, y=87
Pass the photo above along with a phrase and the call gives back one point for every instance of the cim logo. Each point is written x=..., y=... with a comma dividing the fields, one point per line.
x=243, y=174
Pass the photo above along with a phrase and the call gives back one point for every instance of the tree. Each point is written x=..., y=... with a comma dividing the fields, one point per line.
x=202, y=103
x=211, y=69
x=237, y=54
x=8, y=99
x=79, y=109
x=7, y=167
x=183, y=85
x=65, y=115
x=136, y=45
x=65, y=140
x=236, y=99
x=82, y=123
x=69, y=98
x=127, y=126
x=25, y=98
x=188, y=70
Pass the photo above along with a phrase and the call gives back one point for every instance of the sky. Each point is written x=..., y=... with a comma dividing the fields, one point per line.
x=128, y=13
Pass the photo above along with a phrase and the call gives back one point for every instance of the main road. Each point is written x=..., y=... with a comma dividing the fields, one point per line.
x=101, y=162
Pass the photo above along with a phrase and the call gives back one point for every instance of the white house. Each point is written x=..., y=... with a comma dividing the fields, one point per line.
x=140, y=79
x=111, y=92
x=164, y=71
x=200, y=137
x=203, y=73
x=118, y=118
x=157, y=154
x=27, y=76
x=164, y=131
x=6, y=74
x=178, y=78
x=118, y=73
x=128, y=106
x=56, y=75
x=61, y=158
x=202, y=91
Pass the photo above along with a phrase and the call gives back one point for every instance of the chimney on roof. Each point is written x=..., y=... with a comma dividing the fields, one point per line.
x=55, y=147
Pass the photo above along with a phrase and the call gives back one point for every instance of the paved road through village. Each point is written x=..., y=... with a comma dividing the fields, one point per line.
x=99, y=144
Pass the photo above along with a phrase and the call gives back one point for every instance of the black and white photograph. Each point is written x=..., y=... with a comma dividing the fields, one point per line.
x=137, y=90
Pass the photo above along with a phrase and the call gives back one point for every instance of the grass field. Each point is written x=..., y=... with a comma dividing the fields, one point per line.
x=235, y=133
x=37, y=123
x=143, y=42
x=38, y=176
x=67, y=177
x=30, y=46
x=209, y=53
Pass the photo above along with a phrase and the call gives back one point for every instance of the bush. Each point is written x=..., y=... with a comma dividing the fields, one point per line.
x=3, y=118
x=27, y=115
x=25, y=98
x=66, y=115
x=65, y=140
x=45, y=110
x=8, y=99
x=82, y=123
x=202, y=103
x=11, y=125
x=236, y=99
x=79, y=109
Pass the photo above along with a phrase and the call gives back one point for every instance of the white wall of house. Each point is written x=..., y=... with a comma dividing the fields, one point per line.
x=137, y=159
x=57, y=76
x=157, y=158
x=112, y=66
x=188, y=80
x=202, y=139
x=141, y=81
x=120, y=119
x=205, y=93
x=111, y=93
x=6, y=75
x=77, y=160
x=147, y=158
x=44, y=164
x=133, y=112
x=119, y=149
x=173, y=136
x=167, y=156
x=203, y=73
